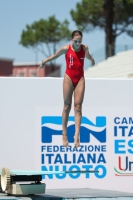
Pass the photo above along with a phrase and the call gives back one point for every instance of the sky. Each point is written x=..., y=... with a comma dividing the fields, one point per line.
x=16, y=14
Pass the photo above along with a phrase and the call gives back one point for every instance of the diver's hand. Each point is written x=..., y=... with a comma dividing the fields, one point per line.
x=93, y=62
x=41, y=65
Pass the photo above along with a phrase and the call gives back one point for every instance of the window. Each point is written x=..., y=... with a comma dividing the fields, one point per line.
x=21, y=74
x=34, y=74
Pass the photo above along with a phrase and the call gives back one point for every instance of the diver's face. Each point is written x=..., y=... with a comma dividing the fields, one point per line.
x=76, y=42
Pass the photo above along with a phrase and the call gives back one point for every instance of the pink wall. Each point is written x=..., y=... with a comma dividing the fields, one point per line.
x=27, y=70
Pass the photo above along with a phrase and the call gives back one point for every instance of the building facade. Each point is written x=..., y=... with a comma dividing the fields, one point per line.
x=8, y=68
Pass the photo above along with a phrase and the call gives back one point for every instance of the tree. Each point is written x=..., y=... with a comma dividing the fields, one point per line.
x=45, y=32
x=113, y=16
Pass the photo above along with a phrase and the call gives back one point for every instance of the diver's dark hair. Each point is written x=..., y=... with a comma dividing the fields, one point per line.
x=75, y=33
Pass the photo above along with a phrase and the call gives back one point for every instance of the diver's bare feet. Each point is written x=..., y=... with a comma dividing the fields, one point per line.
x=65, y=140
x=76, y=141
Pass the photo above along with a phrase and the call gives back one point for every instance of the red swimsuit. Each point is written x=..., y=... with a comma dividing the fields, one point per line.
x=75, y=64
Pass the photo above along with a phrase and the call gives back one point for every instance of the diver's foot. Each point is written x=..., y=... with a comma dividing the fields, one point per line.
x=65, y=140
x=76, y=141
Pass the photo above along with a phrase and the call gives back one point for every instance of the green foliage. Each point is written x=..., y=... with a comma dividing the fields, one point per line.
x=49, y=31
x=88, y=14
x=91, y=13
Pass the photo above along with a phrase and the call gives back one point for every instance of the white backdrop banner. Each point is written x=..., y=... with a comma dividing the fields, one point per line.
x=31, y=132
x=106, y=138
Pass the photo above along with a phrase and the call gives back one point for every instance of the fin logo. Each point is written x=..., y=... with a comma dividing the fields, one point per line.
x=52, y=125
